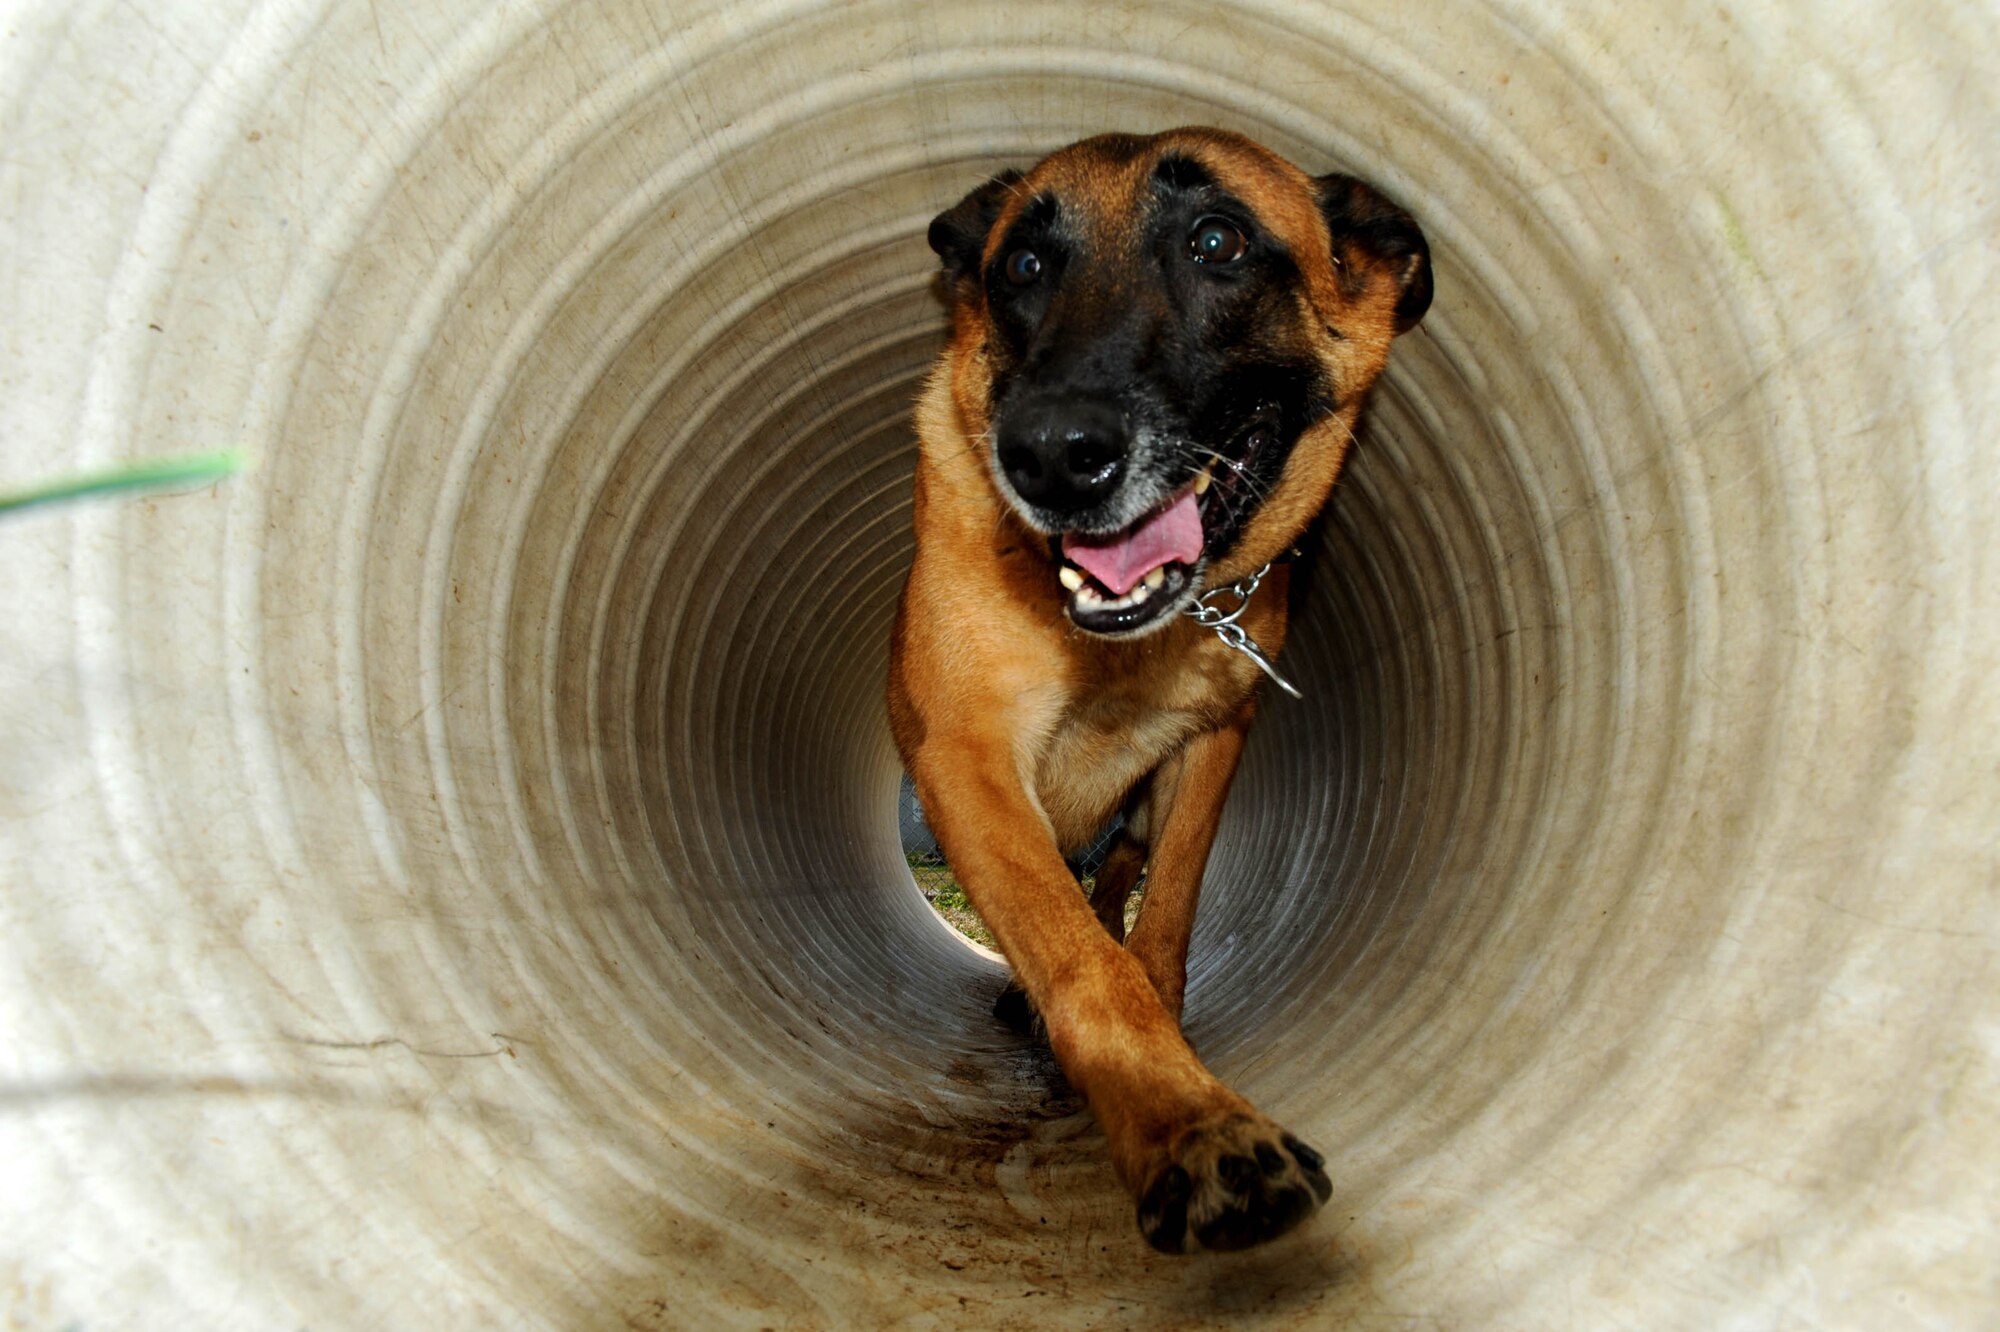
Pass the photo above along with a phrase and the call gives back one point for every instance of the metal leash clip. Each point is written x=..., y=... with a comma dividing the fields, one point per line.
x=1231, y=633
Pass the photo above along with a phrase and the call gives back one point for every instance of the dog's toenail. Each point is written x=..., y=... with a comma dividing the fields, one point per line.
x=1163, y=1213
x=1308, y=1158
x=1168, y=1235
x=1238, y=1172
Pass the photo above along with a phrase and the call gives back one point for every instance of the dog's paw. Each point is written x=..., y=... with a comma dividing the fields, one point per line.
x=1016, y=1011
x=1231, y=1184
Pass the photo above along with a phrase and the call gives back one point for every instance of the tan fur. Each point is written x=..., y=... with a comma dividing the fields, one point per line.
x=1024, y=734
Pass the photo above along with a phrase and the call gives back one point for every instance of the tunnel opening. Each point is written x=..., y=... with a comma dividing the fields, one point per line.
x=932, y=873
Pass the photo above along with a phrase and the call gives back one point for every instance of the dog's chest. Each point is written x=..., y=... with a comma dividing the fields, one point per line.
x=1105, y=742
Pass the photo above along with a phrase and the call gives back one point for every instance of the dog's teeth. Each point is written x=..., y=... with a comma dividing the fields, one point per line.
x=1092, y=598
x=1072, y=578
x=1201, y=482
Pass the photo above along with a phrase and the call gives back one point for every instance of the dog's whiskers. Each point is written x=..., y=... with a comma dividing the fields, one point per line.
x=1253, y=485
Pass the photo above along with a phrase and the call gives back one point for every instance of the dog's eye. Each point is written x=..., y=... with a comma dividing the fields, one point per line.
x=1023, y=267
x=1214, y=241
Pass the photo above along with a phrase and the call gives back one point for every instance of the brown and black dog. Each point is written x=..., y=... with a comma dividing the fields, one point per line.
x=1159, y=348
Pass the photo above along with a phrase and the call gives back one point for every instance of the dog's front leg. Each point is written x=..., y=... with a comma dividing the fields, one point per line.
x=1187, y=800
x=1199, y=1159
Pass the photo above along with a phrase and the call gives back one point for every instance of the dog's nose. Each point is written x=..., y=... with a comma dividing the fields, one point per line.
x=1064, y=456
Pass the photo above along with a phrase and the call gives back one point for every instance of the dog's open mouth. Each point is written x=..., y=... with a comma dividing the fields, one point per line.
x=1130, y=579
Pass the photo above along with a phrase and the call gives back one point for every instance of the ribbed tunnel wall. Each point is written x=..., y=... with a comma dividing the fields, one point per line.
x=451, y=875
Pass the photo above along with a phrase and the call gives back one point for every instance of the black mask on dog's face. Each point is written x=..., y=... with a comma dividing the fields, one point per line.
x=1151, y=368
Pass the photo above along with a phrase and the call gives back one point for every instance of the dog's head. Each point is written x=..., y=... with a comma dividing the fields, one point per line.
x=1164, y=343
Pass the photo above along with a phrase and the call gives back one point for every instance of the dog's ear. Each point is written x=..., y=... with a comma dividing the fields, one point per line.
x=1370, y=232
x=958, y=234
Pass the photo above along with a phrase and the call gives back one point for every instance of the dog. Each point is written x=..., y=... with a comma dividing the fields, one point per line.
x=1158, y=350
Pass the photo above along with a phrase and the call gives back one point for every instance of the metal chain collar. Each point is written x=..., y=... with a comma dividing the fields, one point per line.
x=1233, y=634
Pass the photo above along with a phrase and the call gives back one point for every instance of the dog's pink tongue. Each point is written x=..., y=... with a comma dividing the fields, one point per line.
x=1120, y=562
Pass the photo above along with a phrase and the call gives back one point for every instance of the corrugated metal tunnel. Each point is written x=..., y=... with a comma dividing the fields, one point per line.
x=451, y=876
